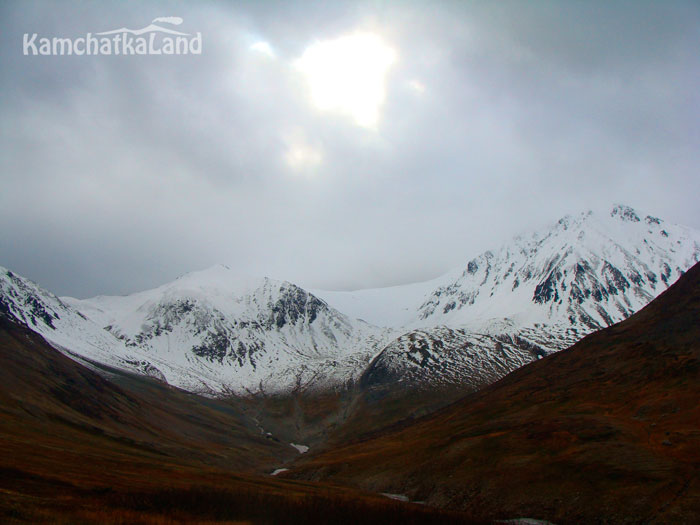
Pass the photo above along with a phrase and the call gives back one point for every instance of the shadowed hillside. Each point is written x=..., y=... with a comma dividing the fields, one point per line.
x=52, y=395
x=606, y=431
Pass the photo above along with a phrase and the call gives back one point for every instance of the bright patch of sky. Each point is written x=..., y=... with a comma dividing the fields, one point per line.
x=264, y=48
x=348, y=75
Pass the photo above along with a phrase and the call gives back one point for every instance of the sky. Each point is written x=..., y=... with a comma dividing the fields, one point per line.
x=337, y=145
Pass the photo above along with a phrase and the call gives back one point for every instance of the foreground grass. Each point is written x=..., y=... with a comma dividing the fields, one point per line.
x=206, y=505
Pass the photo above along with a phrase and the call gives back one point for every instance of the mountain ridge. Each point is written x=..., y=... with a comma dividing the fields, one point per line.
x=216, y=332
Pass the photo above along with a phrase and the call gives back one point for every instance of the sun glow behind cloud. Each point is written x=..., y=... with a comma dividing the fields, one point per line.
x=263, y=47
x=347, y=75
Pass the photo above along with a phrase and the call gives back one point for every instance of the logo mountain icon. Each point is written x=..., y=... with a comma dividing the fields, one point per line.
x=152, y=27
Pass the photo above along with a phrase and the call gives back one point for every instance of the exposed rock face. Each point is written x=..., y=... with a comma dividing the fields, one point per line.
x=444, y=357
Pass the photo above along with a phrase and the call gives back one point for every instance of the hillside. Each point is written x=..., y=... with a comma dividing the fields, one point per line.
x=604, y=431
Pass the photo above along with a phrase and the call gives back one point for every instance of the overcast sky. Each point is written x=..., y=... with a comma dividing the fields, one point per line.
x=480, y=120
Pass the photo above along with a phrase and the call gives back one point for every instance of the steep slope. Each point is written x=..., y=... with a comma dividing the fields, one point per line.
x=445, y=356
x=42, y=389
x=586, y=272
x=67, y=329
x=606, y=431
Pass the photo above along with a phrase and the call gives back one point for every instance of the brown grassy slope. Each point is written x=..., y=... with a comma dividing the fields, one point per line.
x=77, y=448
x=606, y=431
x=47, y=391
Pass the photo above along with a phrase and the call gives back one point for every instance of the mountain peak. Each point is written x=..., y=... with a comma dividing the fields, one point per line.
x=586, y=271
x=216, y=269
x=217, y=278
x=625, y=213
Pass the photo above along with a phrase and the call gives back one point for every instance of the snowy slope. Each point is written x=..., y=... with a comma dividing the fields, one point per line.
x=445, y=356
x=587, y=272
x=394, y=306
x=242, y=334
x=536, y=295
x=67, y=329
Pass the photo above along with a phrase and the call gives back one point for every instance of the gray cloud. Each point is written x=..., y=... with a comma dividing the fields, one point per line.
x=120, y=173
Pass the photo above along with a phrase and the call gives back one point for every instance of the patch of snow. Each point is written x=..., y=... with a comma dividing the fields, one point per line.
x=278, y=471
x=397, y=497
x=393, y=306
x=303, y=449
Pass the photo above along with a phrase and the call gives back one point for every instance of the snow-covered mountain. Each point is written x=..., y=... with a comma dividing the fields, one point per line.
x=535, y=295
x=66, y=328
x=210, y=332
x=214, y=331
x=585, y=271
x=241, y=334
x=588, y=272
